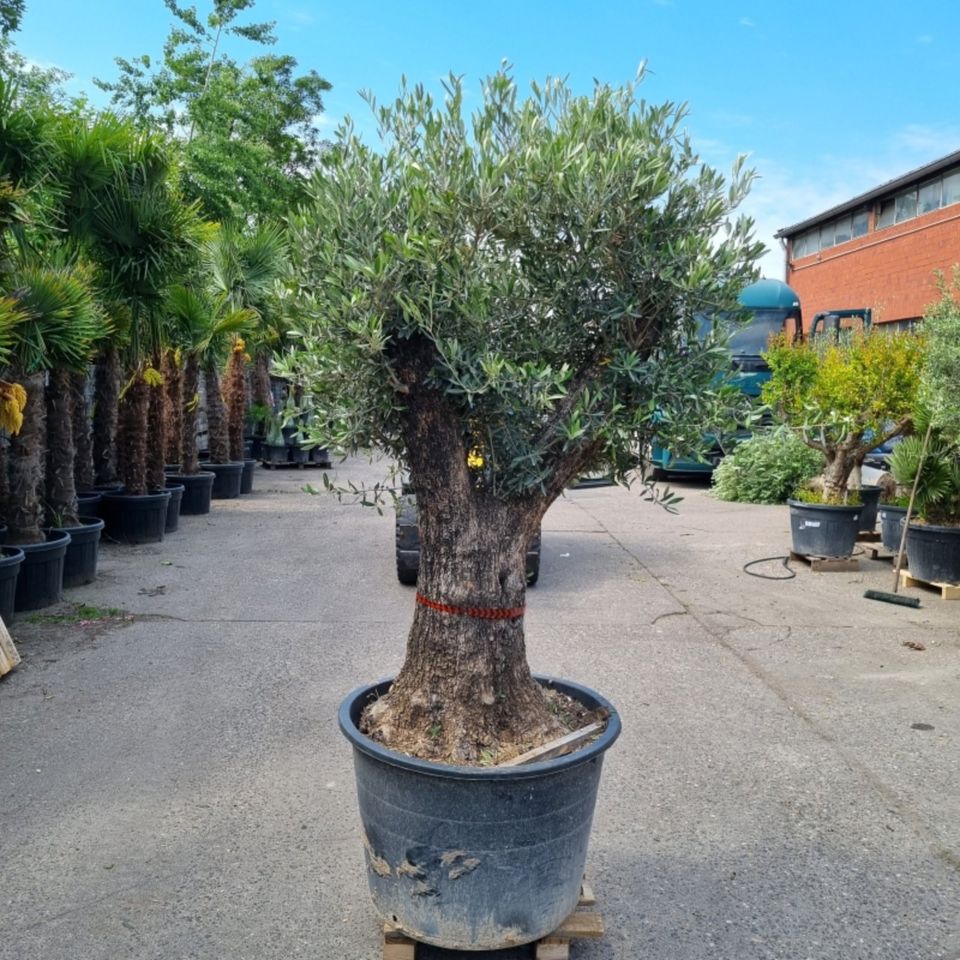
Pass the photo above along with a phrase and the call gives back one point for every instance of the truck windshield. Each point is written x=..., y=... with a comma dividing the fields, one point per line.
x=751, y=340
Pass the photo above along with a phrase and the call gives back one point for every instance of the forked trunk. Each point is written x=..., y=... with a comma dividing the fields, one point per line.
x=132, y=436
x=189, y=463
x=172, y=406
x=61, y=491
x=106, y=392
x=840, y=464
x=26, y=465
x=216, y=416
x=83, y=472
x=235, y=392
x=156, y=436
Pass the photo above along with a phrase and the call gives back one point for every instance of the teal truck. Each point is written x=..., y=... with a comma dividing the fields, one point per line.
x=774, y=309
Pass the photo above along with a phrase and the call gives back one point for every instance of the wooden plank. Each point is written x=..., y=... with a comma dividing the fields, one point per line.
x=556, y=748
x=9, y=657
x=948, y=591
x=581, y=924
x=587, y=897
x=869, y=536
x=827, y=564
x=397, y=945
x=552, y=948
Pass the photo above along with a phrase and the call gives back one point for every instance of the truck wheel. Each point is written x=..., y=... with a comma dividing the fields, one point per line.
x=407, y=572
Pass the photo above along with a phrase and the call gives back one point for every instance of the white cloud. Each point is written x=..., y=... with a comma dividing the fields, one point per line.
x=746, y=22
x=924, y=39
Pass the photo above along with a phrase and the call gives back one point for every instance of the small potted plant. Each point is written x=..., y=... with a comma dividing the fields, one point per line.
x=843, y=397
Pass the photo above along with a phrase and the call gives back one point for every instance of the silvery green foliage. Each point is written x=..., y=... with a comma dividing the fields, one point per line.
x=554, y=253
x=941, y=372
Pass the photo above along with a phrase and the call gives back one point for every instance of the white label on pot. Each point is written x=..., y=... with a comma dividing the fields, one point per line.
x=809, y=523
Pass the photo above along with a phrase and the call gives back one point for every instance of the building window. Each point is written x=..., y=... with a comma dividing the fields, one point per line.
x=861, y=222
x=885, y=219
x=906, y=205
x=929, y=196
x=951, y=189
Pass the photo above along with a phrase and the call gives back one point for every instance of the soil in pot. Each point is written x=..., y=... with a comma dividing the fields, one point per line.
x=226, y=485
x=40, y=579
x=246, y=478
x=10, y=560
x=134, y=518
x=822, y=530
x=934, y=553
x=80, y=560
x=173, y=510
x=891, y=525
x=197, y=488
x=476, y=858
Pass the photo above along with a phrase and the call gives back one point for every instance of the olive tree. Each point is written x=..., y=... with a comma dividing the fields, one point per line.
x=502, y=303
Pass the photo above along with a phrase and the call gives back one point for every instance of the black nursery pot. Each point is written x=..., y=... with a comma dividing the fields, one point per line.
x=934, y=553
x=226, y=486
x=88, y=503
x=173, y=510
x=820, y=530
x=869, y=498
x=10, y=560
x=475, y=858
x=197, y=488
x=3, y=533
x=80, y=560
x=40, y=580
x=135, y=518
x=891, y=525
x=246, y=478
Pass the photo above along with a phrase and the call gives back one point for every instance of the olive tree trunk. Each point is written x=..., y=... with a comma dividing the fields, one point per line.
x=189, y=462
x=61, y=507
x=172, y=406
x=105, y=413
x=83, y=472
x=26, y=465
x=216, y=415
x=841, y=462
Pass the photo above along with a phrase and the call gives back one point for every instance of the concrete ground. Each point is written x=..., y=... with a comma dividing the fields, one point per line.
x=786, y=787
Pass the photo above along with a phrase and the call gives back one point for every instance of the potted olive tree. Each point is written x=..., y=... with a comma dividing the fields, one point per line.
x=844, y=397
x=501, y=304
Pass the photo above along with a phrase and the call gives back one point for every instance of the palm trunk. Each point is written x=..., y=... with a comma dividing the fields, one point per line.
x=105, y=413
x=189, y=463
x=156, y=437
x=61, y=489
x=4, y=478
x=216, y=415
x=235, y=389
x=26, y=465
x=262, y=394
x=172, y=406
x=132, y=436
x=83, y=472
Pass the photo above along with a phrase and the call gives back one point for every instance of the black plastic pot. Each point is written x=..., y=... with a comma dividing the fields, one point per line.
x=275, y=453
x=891, y=525
x=246, y=478
x=299, y=454
x=3, y=533
x=80, y=560
x=321, y=457
x=10, y=560
x=934, y=553
x=823, y=531
x=115, y=487
x=135, y=518
x=226, y=486
x=40, y=579
x=88, y=503
x=475, y=858
x=173, y=510
x=869, y=498
x=197, y=488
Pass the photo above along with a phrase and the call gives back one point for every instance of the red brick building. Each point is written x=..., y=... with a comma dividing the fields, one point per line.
x=880, y=249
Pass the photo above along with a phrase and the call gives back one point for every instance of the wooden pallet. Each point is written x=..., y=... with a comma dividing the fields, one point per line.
x=581, y=924
x=877, y=551
x=827, y=564
x=9, y=657
x=948, y=591
x=291, y=464
x=869, y=536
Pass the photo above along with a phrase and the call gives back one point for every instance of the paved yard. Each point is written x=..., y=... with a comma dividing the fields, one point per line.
x=786, y=786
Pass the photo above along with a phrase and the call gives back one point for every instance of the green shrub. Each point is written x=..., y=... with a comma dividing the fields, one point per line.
x=767, y=468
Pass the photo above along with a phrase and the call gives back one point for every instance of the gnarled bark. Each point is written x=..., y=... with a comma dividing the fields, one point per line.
x=235, y=394
x=156, y=435
x=132, y=436
x=61, y=490
x=83, y=472
x=216, y=415
x=105, y=414
x=189, y=462
x=262, y=394
x=26, y=465
x=172, y=407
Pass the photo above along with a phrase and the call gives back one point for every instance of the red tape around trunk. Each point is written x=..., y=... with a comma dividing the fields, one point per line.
x=478, y=613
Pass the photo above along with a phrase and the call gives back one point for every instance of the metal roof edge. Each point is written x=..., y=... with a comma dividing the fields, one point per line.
x=891, y=186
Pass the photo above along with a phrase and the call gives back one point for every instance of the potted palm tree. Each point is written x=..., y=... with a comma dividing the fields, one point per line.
x=843, y=397
x=502, y=306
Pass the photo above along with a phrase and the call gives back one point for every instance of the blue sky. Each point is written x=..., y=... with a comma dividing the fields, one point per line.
x=828, y=99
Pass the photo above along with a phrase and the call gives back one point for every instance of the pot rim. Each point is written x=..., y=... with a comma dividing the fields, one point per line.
x=91, y=522
x=55, y=539
x=10, y=555
x=840, y=507
x=446, y=771
x=934, y=527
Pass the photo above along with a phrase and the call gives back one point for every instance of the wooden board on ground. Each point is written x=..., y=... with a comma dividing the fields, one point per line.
x=827, y=564
x=9, y=657
x=877, y=551
x=869, y=536
x=948, y=591
x=581, y=924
